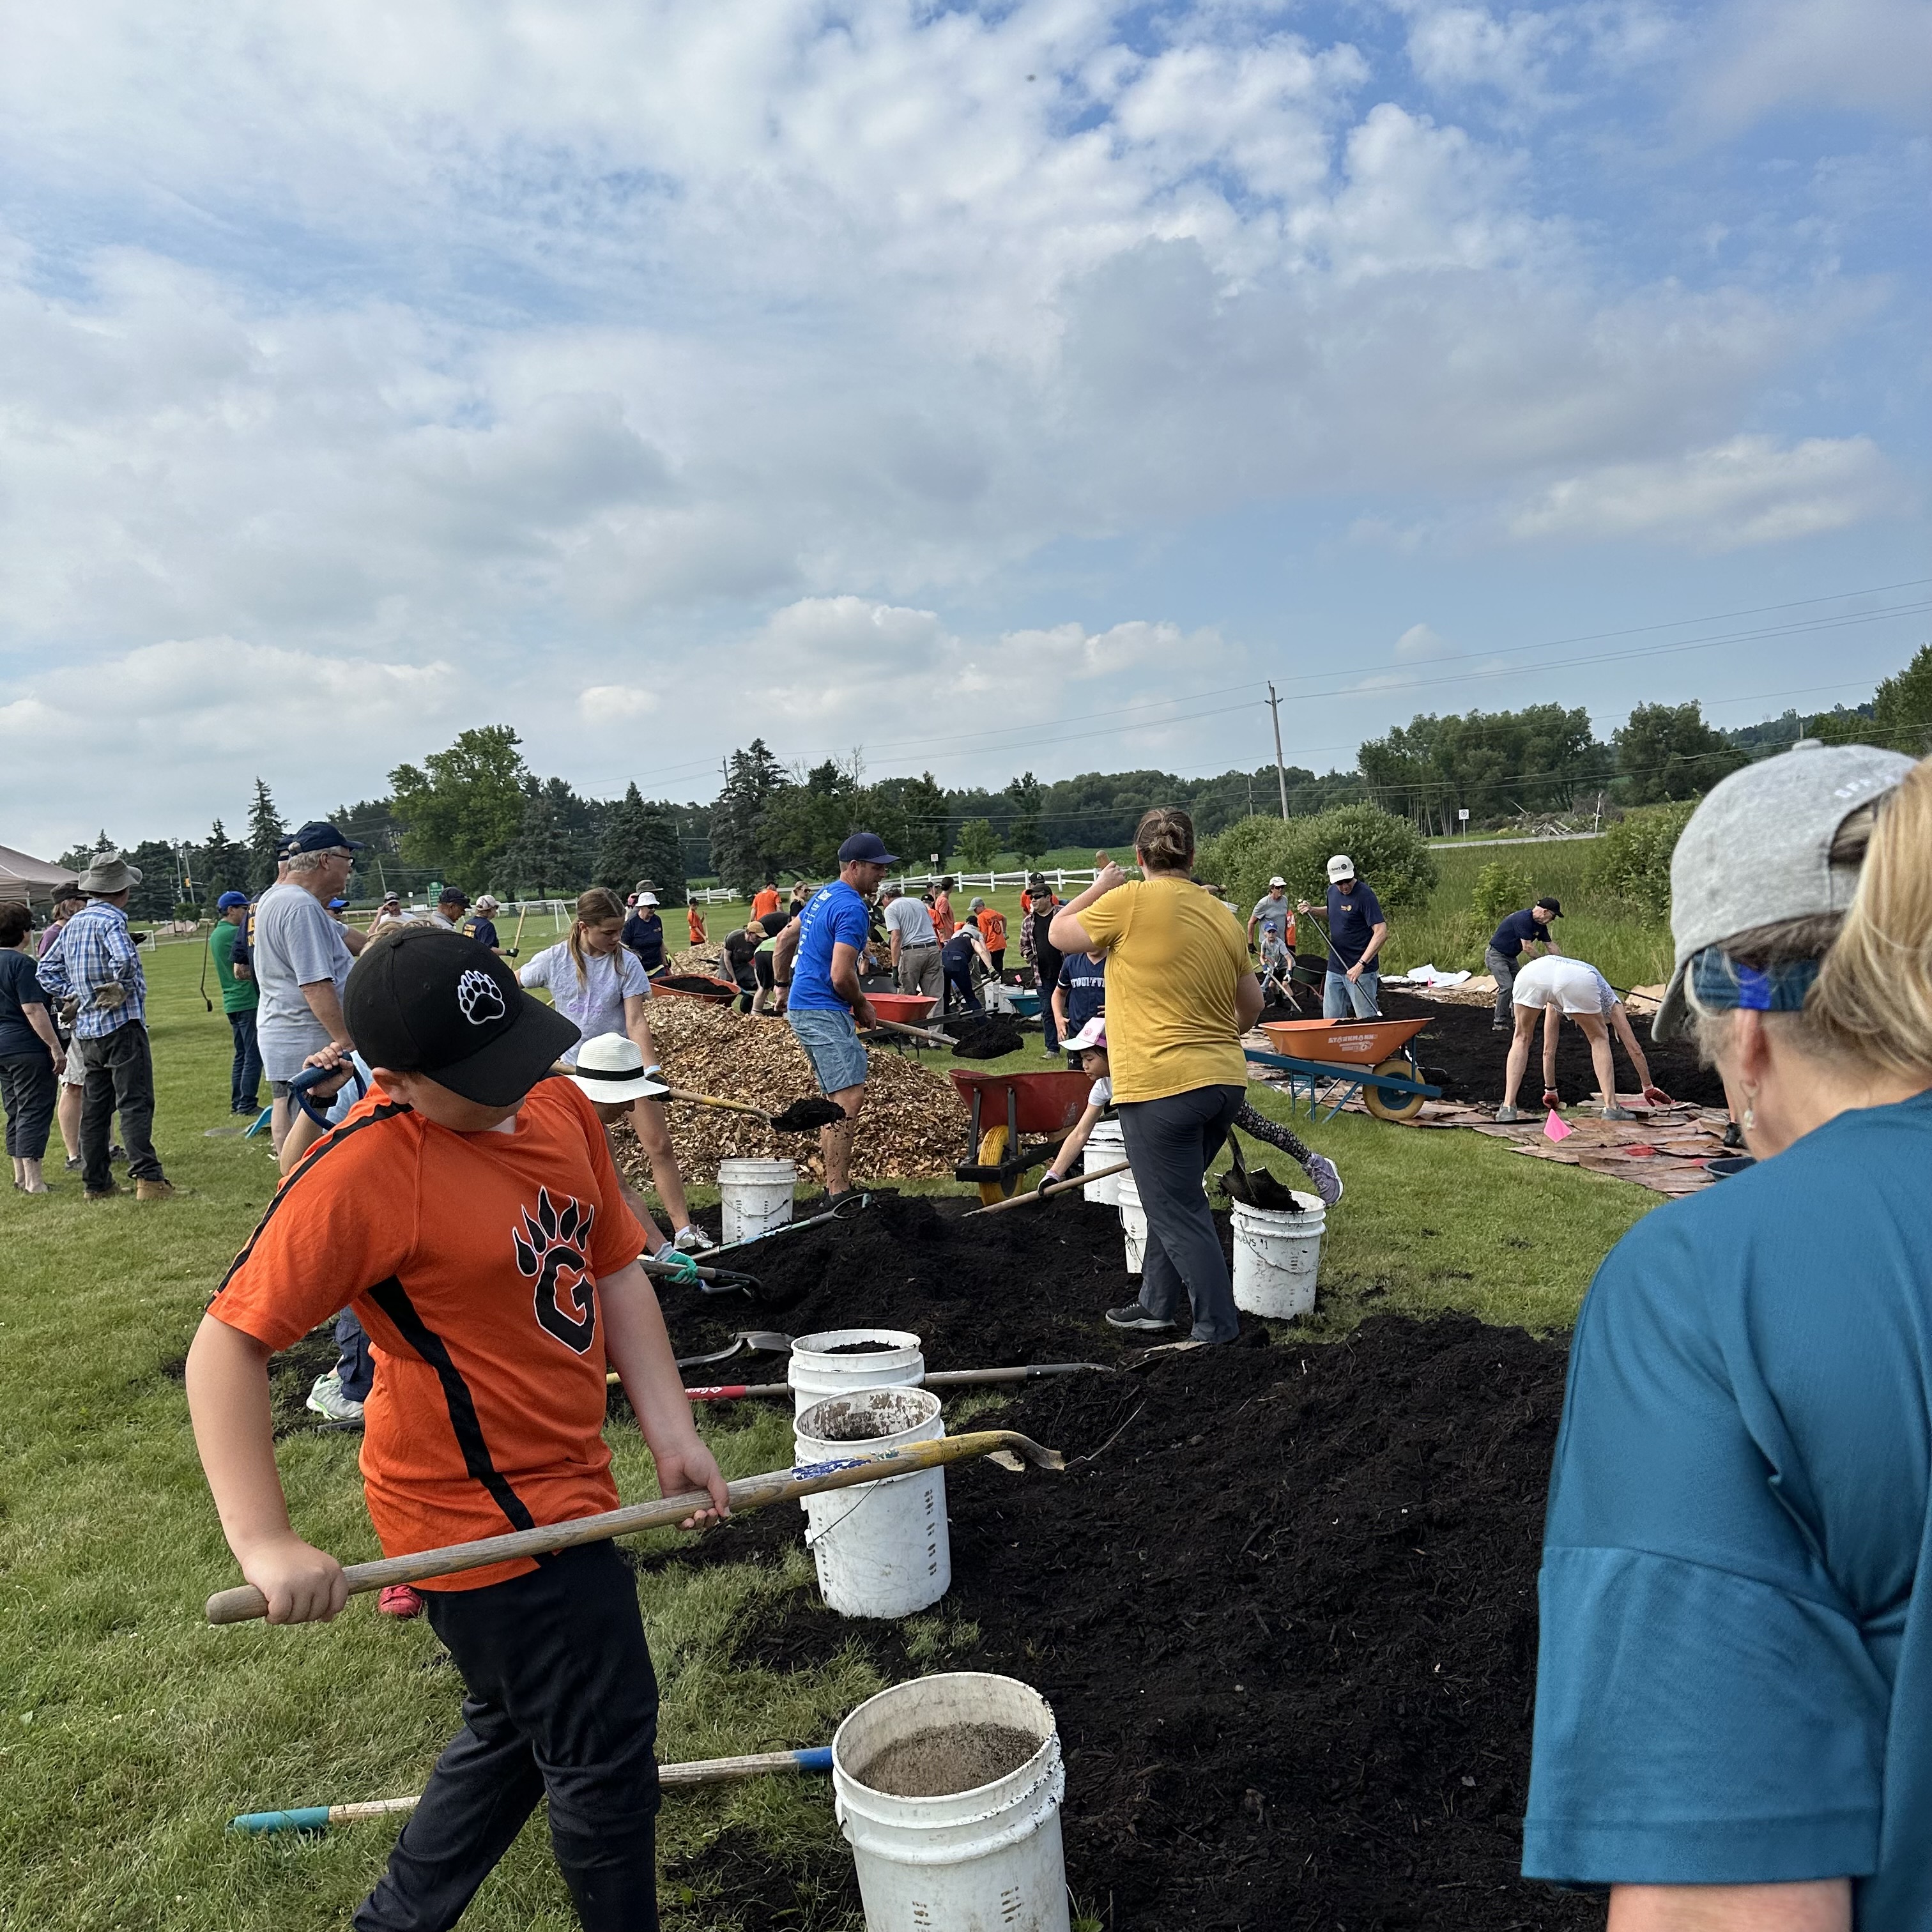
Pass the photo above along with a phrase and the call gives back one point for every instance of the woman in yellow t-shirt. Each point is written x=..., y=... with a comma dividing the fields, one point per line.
x=1179, y=995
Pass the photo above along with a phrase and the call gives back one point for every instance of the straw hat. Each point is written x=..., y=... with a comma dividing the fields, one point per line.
x=610, y=1068
x=108, y=872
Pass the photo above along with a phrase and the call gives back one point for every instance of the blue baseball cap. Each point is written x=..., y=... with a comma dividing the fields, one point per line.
x=229, y=900
x=866, y=848
x=319, y=835
x=336, y=905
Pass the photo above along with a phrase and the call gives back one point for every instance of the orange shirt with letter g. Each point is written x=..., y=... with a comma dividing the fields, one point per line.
x=472, y=1260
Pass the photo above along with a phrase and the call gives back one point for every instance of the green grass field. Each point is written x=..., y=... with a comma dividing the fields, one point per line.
x=134, y=1730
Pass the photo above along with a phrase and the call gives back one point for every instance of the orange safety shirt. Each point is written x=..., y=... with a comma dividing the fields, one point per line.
x=764, y=902
x=472, y=1260
x=993, y=929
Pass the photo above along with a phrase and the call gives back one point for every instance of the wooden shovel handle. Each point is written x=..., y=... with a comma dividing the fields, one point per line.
x=712, y=1100
x=240, y=1605
x=1050, y=1190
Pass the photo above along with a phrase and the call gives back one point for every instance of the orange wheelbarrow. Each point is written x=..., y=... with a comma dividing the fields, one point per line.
x=1003, y=1107
x=1337, y=1059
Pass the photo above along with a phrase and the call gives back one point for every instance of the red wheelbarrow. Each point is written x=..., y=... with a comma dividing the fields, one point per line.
x=1346, y=1057
x=1045, y=1104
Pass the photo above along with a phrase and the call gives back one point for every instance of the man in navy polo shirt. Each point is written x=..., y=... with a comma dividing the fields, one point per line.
x=1530, y=927
x=826, y=1005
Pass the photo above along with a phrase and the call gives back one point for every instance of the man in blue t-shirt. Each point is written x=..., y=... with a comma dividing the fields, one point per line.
x=1357, y=927
x=1530, y=927
x=826, y=1007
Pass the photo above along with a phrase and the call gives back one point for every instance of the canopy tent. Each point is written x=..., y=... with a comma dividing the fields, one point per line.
x=24, y=878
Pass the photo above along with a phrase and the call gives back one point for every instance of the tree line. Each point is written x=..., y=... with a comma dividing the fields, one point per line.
x=474, y=814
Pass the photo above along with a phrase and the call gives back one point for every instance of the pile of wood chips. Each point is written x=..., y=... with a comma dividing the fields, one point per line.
x=912, y=1125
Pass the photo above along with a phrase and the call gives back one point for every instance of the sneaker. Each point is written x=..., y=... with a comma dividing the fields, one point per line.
x=1327, y=1180
x=1507, y=1116
x=398, y=1600
x=1501, y=1026
x=327, y=1400
x=1733, y=1137
x=73, y=1163
x=692, y=1240
x=1619, y=1114
x=1134, y=1316
x=117, y=1152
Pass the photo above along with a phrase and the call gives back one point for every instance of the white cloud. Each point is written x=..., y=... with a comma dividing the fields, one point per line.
x=616, y=703
x=1419, y=642
x=1874, y=56
x=1455, y=47
x=1751, y=490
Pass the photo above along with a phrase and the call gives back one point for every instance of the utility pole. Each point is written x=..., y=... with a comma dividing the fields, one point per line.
x=1280, y=770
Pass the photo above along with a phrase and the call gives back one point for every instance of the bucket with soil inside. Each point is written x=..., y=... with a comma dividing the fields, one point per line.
x=841, y=1360
x=881, y=1550
x=948, y=1790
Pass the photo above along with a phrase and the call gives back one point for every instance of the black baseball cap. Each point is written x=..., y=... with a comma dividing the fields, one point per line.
x=423, y=1000
x=452, y=895
x=866, y=848
x=319, y=835
x=1556, y=906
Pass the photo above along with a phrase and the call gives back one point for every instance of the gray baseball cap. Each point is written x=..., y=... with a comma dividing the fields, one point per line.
x=1758, y=851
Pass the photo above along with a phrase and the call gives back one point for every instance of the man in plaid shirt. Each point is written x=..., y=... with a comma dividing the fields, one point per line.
x=96, y=963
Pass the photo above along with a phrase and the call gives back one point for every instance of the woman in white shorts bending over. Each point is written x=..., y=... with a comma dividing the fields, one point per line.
x=1569, y=987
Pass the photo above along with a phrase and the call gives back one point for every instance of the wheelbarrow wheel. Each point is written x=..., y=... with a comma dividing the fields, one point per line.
x=992, y=1151
x=1386, y=1105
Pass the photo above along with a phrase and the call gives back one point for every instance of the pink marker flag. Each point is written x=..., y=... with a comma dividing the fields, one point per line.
x=1556, y=1128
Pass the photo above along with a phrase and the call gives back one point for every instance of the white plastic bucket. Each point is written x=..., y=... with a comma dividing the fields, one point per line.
x=987, y=1860
x=816, y=1372
x=1133, y=1217
x=755, y=1196
x=881, y=1550
x=1277, y=1255
x=1133, y=1220
x=1106, y=1146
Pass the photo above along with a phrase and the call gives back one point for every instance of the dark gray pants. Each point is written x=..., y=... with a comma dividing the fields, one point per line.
x=1504, y=971
x=120, y=1079
x=1171, y=1142
x=27, y=1092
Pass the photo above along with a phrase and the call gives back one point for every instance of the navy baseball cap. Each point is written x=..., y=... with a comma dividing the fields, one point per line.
x=319, y=835
x=420, y=999
x=229, y=899
x=1553, y=905
x=866, y=848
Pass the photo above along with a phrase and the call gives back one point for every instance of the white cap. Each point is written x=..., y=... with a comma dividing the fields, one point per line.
x=1094, y=1033
x=1339, y=868
x=1277, y=880
x=610, y=1067
x=647, y=898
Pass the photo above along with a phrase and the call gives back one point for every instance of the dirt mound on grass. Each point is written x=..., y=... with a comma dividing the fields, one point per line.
x=1286, y=1619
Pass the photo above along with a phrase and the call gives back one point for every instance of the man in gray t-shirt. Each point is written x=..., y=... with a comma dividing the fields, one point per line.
x=301, y=961
x=915, y=961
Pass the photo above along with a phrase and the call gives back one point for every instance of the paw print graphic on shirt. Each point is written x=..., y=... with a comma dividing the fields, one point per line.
x=550, y=1246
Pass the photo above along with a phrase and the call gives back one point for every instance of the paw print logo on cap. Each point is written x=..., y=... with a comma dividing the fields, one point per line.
x=480, y=997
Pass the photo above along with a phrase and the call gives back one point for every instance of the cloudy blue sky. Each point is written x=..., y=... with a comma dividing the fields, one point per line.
x=981, y=389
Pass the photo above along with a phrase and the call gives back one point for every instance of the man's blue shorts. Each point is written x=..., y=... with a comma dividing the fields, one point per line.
x=831, y=1041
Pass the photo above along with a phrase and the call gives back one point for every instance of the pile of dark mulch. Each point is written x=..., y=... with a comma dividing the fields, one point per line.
x=1461, y=1054
x=1286, y=1620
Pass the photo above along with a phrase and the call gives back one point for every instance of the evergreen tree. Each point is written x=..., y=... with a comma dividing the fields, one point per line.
x=156, y=896
x=265, y=834
x=1023, y=834
x=537, y=863
x=221, y=866
x=1902, y=707
x=627, y=849
x=752, y=778
x=79, y=857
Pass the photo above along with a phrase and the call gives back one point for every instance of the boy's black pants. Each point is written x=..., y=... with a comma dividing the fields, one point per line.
x=561, y=1701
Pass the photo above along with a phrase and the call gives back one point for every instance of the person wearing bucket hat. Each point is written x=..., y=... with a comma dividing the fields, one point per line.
x=96, y=963
x=1731, y=1728
x=468, y=1212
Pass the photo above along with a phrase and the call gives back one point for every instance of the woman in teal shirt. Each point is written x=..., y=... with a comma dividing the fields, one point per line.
x=1734, y=1689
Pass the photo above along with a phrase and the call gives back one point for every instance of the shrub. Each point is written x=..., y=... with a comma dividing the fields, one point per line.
x=1632, y=860
x=1388, y=852
x=1500, y=889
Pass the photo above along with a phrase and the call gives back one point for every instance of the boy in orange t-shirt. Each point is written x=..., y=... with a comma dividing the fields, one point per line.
x=765, y=900
x=468, y=1211
x=694, y=919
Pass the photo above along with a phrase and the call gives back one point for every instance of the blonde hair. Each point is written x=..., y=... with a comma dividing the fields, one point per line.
x=1164, y=839
x=598, y=906
x=1872, y=1000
